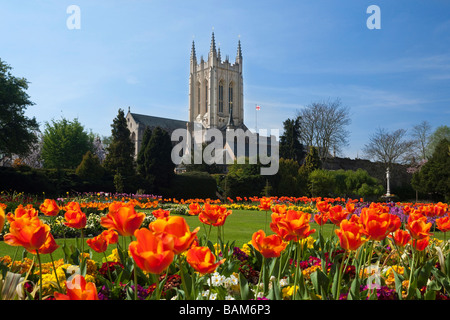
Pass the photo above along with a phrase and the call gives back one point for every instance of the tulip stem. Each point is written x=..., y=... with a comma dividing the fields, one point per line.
x=107, y=267
x=260, y=276
x=186, y=292
x=14, y=259
x=56, y=274
x=341, y=268
x=265, y=225
x=40, y=275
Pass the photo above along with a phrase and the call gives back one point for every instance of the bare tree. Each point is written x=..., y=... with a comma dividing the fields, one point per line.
x=323, y=125
x=33, y=158
x=388, y=147
x=421, y=135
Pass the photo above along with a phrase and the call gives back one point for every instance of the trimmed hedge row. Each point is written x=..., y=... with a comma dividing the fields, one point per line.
x=55, y=183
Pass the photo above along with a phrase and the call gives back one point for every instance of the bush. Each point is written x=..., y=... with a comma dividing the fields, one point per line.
x=90, y=168
x=344, y=183
x=191, y=185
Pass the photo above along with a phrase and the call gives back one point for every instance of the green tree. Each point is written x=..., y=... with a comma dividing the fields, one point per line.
x=287, y=180
x=290, y=146
x=312, y=162
x=140, y=160
x=157, y=167
x=90, y=168
x=244, y=180
x=17, y=131
x=120, y=151
x=434, y=176
x=64, y=144
x=441, y=132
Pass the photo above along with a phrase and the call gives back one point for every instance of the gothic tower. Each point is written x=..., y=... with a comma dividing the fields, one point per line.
x=216, y=91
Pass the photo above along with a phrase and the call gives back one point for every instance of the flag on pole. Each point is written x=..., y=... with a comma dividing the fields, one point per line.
x=258, y=108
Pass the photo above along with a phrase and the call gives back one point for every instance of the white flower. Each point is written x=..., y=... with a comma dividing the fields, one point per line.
x=283, y=282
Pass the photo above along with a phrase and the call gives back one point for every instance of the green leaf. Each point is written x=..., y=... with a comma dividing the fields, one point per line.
x=354, y=292
x=245, y=291
x=320, y=282
x=398, y=284
x=275, y=291
x=424, y=274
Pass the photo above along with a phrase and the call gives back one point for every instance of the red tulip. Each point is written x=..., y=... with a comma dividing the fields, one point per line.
x=30, y=233
x=350, y=235
x=270, y=246
x=202, y=260
x=49, y=207
x=152, y=251
x=123, y=218
x=75, y=219
x=78, y=289
x=177, y=227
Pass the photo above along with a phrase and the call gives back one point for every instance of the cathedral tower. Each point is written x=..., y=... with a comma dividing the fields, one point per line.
x=216, y=91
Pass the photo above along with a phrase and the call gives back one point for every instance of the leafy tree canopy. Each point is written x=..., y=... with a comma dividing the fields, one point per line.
x=64, y=144
x=17, y=131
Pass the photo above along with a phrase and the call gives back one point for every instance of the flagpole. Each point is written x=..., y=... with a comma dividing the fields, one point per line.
x=256, y=118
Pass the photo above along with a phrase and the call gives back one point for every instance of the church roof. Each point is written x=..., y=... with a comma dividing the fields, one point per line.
x=164, y=123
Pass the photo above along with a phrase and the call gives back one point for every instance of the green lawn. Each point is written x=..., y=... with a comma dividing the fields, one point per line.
x=239, y=227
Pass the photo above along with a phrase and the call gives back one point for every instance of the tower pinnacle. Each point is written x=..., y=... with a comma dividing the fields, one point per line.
x=213, y=44
x=193, y=56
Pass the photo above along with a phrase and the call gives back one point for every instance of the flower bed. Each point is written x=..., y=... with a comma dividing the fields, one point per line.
x=377, y=251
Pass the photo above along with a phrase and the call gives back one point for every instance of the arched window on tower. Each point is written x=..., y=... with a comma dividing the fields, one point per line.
x=230, y=97
x=198, y=98
x=206, y=96
x=220, y=96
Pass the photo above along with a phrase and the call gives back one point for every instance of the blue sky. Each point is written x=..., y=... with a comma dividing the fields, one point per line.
x=136, y=53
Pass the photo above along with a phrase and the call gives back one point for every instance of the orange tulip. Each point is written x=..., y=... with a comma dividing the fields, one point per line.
x=323, y=206
x=321, y=218
x=122, y=218
x=72, y=206
x=78, y=289
x=75, y=219
x=401, y=237
x=111, y=236
x=49, y=245
x=350, y=235
x=443, y=224
x=21, y=211
x=179, y=229
x=337, y=214
x=265, y=203
x=161, y=213
x=202, y=260
x=49, y=207
x=270, y=246
x=152, y=252
x=98, y=243
x=420, y=244
x=194, y=209
x=394, y=223
x=350, y=206
x=294, y=225
x=214, y=215
x=30, y=233
x=419, y=228
x=2, y=218
x=376, y=225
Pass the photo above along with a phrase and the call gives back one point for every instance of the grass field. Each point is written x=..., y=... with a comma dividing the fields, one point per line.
x=239, y=227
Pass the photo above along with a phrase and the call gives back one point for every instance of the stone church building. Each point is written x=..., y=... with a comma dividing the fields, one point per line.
x=216, y=97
